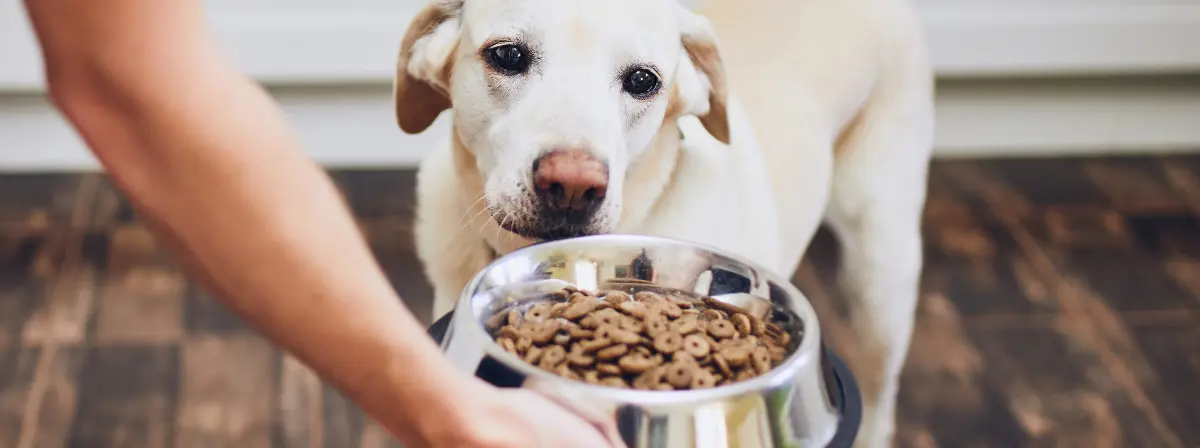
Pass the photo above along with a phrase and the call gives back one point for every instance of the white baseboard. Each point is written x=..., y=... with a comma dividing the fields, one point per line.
x=351, y=126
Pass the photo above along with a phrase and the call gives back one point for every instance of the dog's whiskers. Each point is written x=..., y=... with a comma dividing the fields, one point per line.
x=468, y=223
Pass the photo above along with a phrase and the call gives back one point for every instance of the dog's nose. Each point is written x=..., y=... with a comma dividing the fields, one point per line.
x=570, y=180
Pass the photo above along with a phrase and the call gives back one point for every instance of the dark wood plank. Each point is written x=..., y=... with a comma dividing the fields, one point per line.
x=62, y=316
x=48, y=410
x=1174, y=353
x=20, y=289
x=945, y=398
x=343, y=420
x=225, y=397
x=1063, y=394
x=35, y=200
x=127, y=397
x=300, y=415
x=1045, y=182
x=378, y=193
x=204, y=314
x=142, y=294
x=1134, y=185
x=391, y=241
x=17, y=368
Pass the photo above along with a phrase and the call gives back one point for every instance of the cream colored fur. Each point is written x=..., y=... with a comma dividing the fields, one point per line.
x=830, y=119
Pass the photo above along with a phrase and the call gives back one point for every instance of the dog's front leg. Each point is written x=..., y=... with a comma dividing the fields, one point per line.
x=447, y=239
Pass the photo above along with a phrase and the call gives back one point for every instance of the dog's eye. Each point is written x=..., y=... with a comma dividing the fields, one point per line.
x=509, y=58
x=641, y=83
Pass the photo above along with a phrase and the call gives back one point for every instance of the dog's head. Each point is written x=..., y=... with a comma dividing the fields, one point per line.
x=555, y=99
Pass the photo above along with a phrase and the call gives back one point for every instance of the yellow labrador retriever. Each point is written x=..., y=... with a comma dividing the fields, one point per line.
x=580, y=117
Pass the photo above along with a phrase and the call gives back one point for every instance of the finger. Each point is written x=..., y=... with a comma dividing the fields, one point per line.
x=606, y=425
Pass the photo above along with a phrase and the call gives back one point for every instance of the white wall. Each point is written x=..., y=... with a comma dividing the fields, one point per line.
x=330, y=62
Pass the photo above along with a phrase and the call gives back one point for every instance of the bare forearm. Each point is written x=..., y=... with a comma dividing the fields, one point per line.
x=206, y=157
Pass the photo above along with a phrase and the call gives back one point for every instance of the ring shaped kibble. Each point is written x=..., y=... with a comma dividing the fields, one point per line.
x=642, y=340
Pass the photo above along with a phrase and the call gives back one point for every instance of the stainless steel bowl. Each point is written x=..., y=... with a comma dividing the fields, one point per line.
x=797, y=404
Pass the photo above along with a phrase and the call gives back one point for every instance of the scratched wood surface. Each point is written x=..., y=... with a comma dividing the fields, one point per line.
x=1060, y=308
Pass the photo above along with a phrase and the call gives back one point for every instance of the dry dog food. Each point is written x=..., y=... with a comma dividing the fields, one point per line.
x=645, y=341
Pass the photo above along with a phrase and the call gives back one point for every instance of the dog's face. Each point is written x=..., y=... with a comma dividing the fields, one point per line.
x=555, y=99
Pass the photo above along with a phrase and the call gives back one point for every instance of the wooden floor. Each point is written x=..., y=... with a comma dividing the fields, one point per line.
x=1060, y=308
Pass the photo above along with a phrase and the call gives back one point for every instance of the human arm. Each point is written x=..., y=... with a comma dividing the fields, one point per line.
x=207, y=159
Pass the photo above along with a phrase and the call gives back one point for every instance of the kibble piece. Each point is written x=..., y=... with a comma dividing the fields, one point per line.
x=608, y=317
x=539, y=312
x=703, y=380
x=736, y=356
x=591, y=377
x=579, y=332
x=778, y=354
x=649, y=379
x=721, y=329
x=711, y=314
x=679, y=375
x=744, y=375
x=592, y=345
x=636, y=363
x=635, y=309
x=655, y=325
x=679, y=301
x=565, y=372
x=508, y=345
x=540, y=332
x=578, y=358
x=761, y=360
x=562, y=339
x=729, y=308
x=514, y=318
x=577, y=297
x=722, y=365
x=759, y=327
x=608, y=369
x=647, y=296
x=617, y=298
x=533, y=354
x=685, y=325
x=614, y=381
x=509, y=331
x=683, y=357
x=666, y=308
x=625, y=337
x=614, y=352
x=742, y=323
x=696, y=346
x=554, y=355
x=785, y=339
x=579, y=309
x=668, y=342
x=558, y=309
x=523, y=344
x=632, y=325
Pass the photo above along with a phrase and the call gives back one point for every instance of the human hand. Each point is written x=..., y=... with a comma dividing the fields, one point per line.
x=504, y=418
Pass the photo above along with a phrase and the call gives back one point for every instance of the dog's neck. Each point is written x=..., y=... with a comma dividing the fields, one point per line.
x=648, y=177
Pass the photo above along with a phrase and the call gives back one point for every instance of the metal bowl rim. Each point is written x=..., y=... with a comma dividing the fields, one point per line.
x=806, y=355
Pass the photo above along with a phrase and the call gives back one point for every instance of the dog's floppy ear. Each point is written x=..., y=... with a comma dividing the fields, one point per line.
x=701, y=75
x=421, y=89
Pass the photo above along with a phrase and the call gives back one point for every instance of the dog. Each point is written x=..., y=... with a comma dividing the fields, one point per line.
x=578, y=117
